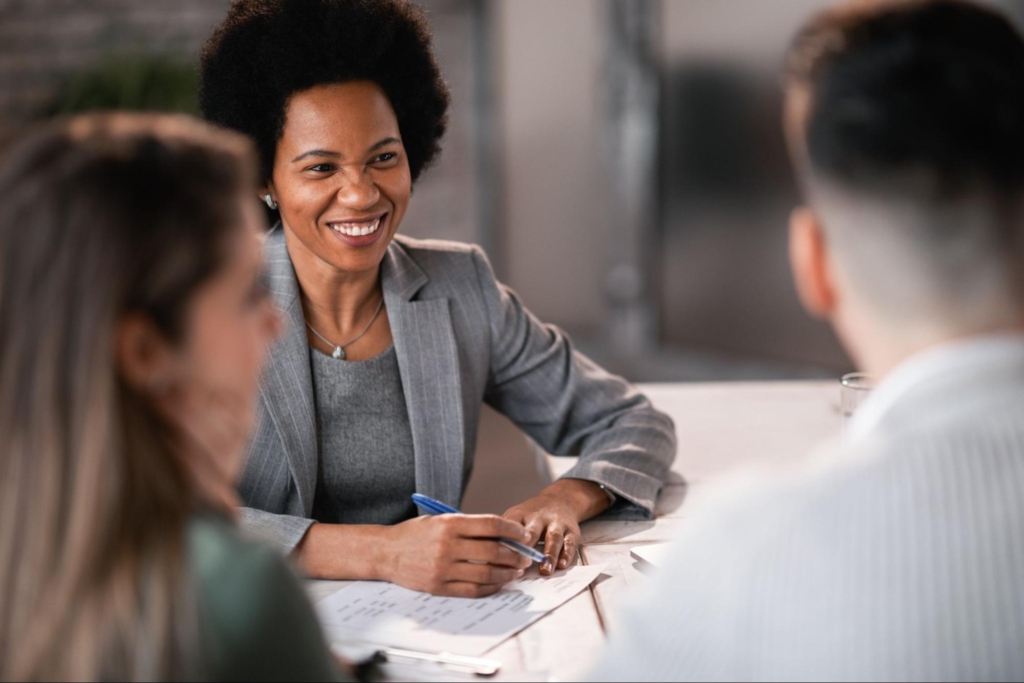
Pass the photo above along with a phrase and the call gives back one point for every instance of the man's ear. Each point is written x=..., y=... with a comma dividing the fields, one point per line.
x=810, y=261
x=142, y=354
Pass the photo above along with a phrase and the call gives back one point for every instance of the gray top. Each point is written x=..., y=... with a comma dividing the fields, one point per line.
x=367, y=466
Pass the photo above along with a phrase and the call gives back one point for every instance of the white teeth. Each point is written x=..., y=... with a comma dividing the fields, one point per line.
x=353, y=230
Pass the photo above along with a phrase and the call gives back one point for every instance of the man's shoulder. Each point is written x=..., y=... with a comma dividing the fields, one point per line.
x=843, y=498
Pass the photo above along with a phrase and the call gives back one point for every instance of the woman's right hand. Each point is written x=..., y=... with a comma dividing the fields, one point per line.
x=454, y=555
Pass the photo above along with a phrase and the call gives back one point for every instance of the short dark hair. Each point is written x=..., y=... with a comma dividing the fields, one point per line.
x=265, y=51
x=932, y=87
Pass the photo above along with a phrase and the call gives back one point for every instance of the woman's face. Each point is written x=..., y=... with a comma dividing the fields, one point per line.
x=232, y=321
x=205, y=385
x=341, y=176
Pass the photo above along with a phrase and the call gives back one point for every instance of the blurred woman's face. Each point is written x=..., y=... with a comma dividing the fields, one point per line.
x=209, y=379
x=233, y=321
x=341, y=176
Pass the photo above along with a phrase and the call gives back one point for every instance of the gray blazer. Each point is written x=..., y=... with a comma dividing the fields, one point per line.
x=462, y=340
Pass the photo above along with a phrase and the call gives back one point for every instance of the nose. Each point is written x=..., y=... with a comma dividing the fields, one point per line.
x=358, y=191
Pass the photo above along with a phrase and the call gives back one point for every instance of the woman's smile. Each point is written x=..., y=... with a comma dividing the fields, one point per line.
x=360, y=233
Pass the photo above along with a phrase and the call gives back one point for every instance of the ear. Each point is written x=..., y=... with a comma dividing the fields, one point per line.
x=143, y=355
x=811, y=264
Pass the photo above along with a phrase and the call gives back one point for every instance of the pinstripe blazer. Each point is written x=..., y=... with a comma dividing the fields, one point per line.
x=895, y=556
x=462, y=340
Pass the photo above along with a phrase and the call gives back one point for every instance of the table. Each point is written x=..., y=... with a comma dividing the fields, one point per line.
x=721, y=427
x=559, y=646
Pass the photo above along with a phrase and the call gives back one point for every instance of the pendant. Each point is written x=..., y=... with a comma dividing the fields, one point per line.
x=339, y=353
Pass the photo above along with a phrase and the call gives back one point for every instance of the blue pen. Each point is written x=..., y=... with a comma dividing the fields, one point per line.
x=436, y=507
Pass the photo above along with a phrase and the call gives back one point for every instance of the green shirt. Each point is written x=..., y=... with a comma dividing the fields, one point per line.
x=258, y=623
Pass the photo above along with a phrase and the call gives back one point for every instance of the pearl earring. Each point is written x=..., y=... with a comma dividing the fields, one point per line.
x=270, y=202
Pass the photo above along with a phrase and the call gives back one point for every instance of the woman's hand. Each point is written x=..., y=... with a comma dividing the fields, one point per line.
x=454, y=555
x=554, y=517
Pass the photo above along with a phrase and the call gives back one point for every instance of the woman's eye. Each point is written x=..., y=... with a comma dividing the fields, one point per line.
x=387, y=156
x=320, y=168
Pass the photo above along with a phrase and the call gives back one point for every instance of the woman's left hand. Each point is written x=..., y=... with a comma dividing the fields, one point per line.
x=554, y=516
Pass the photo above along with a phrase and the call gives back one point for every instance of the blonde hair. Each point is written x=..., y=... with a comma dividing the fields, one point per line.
x=101, y=216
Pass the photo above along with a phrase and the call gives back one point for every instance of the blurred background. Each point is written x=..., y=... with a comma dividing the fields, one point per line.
x=620, y=160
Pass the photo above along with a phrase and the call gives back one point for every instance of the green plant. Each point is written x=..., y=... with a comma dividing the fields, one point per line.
x=137, y=82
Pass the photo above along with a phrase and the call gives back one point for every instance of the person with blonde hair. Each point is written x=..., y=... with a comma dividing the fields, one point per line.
x=134, y=320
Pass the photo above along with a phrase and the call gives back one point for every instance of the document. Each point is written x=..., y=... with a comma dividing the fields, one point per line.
x=389, y=616
x=655, y=555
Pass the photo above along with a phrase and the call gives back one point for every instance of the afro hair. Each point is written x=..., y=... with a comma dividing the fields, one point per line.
x=265, y=51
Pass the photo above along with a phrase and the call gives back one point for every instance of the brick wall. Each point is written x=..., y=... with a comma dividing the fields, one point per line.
x=41, y=40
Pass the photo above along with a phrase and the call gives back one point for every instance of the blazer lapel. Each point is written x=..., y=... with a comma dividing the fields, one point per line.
x=429, y=364
x=287, y=382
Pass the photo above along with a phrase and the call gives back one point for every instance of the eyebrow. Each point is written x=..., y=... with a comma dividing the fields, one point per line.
x=383, y=143
x=315, y=153
x=335, y=155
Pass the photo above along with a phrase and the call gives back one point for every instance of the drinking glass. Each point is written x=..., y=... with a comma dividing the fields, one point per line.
x=854, y=390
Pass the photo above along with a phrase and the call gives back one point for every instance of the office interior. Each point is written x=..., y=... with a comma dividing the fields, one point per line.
x=621, y=161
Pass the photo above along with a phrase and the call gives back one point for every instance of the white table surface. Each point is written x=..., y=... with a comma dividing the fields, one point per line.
x=721, y=427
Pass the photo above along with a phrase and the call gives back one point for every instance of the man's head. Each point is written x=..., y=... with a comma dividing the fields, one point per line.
x=905, y=120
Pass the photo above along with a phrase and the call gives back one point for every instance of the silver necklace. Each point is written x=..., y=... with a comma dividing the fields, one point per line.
x=339, y=349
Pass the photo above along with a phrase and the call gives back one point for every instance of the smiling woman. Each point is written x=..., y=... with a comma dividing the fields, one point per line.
x=341, y=164
x=361, y=409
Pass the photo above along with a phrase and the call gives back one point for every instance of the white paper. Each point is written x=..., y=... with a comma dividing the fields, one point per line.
x=655, y=555
x=387, y=615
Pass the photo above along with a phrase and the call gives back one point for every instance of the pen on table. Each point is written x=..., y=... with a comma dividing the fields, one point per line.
x=366, y=658
x=436, y=507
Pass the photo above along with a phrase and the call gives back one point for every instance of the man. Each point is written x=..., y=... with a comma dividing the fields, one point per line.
x=900, y=554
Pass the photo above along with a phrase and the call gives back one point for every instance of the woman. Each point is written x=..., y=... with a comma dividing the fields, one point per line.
x=394, y=344
x=134, y=319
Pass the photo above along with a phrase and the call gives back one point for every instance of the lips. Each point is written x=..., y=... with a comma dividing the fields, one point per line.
x=359, y=233
x=358, y=229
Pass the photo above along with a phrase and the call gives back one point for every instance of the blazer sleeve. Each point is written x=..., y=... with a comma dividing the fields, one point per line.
x=569, y=405
x=284, y=531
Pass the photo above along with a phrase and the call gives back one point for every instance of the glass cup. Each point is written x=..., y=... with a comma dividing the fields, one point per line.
x=854, y=390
